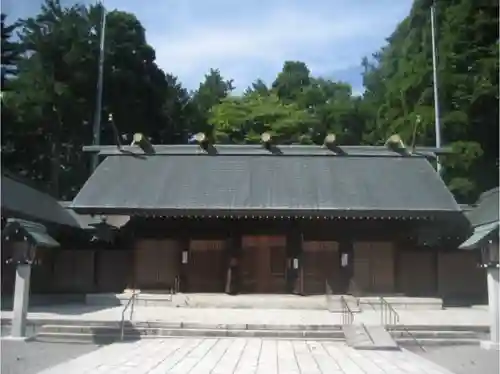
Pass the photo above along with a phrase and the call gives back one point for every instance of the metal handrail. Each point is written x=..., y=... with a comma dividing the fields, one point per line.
x=130, y=303
x=389, y=317
x=347, y=314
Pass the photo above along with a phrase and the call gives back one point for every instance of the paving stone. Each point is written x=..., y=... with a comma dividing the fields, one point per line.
x=287, y=362
x=249, y=357
x=240, y=356
x=231, y=358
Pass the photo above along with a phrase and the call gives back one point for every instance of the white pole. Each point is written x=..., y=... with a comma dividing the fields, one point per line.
x=493, y=305
x=435, y=84
x=98, y=100
x=21, y=300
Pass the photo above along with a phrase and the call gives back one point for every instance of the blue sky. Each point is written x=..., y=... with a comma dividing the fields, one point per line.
x=249, y=39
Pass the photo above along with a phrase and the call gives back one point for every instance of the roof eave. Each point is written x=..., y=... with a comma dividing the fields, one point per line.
x=276, y=212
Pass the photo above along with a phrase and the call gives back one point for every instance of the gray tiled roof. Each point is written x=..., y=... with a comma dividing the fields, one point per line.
x=88, y=221
x=35, y=232
x=486, y=210
x=22, y=201
x=308, y=180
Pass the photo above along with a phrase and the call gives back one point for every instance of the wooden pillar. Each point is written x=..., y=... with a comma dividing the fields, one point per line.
x=132, y=250
x=233, y=263
x=183, y=282
x=95, y=269
x=346, y=252
x=294, y=253
x=435, y=269
x=398, y=247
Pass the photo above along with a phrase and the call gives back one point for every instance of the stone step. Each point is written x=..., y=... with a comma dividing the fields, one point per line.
x=114, y=338
x=180, y=300
x=98, y=333
x=360, y=336
x=435, y=342
x=37, y=323
x=402, y=303
x=441, y=334
x=335, y=305
x=476, y=328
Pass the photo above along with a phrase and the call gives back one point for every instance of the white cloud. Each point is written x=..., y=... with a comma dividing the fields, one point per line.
x=255, y=41
x=249, y=39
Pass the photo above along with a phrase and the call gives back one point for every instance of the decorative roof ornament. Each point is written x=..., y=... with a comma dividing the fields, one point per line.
x=330, y=140
x=143, y=142
x=266, y=137
x=396, y=144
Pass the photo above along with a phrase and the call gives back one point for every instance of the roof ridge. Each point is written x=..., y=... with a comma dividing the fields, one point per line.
x=258, y=149
x=489, y=193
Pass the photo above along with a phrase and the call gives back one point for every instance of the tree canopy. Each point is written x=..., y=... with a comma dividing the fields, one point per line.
x=49, y=78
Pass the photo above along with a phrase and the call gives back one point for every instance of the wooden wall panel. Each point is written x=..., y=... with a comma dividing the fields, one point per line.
x=157, y=263
x=459, y=277
x=374, y=267
x=264, y=263
x=416, y=273
x=115, y=270
x=321, y=262
x=74, y=271
x=207, y=265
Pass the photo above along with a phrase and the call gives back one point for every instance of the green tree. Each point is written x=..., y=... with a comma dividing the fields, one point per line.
x=244, y=119
x=259, y=87
x=289, y=83
x=211, y=91
x=398, y=83
x=10, y=50
x=54, y=94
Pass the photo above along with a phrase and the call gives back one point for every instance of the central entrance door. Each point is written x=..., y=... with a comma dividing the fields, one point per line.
x=157, y=263
x=321, y=263
x=264, y=264
x=374, y=267
x=206, y=266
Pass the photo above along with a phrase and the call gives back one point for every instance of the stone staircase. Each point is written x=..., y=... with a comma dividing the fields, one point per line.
x=108, y=332
x=401, y=303
x=361, y=336
x=408, y=336
x=250, y=301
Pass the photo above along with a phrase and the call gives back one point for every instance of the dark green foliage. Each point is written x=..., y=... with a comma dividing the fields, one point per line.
x=399, y=88
x=10, y=50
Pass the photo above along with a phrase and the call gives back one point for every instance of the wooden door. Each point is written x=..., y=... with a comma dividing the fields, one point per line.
x=207, y=266
x=169, y=255
x=263, y=266
x=321, y=262
x=417, y=274
x=157, y=263
x=374, y=267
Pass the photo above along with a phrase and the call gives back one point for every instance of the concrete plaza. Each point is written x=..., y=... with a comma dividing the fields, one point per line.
x=239, y=356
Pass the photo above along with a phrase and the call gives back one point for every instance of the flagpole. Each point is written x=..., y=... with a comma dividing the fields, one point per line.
x=437, y=122
x=98, y=99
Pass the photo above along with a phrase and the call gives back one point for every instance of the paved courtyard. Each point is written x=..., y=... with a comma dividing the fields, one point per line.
x=240, y=356
x=464, y=359
x=21, y=357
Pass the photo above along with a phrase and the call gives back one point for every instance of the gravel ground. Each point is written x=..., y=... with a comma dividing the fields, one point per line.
x=18, y=357
x=463, y=359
